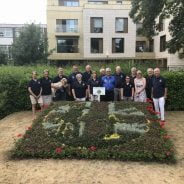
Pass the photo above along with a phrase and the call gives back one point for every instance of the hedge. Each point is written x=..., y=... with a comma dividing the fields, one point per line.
x=14, y=96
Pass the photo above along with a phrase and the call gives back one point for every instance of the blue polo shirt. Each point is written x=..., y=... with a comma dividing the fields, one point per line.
x=108, y=82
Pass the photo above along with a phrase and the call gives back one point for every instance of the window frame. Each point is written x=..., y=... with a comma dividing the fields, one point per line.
x=99, y=48
x=163, y=44
x=63, y=27
x=114, y=49
x=76, y=47
x=92, y=24
x=125, y=24
x=62, y=3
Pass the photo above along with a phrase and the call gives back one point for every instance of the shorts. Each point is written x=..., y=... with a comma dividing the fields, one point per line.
x=47, y=99
x=34, y=101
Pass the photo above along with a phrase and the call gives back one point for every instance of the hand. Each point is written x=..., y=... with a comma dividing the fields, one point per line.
x=132, y=98
x=122, y=98
x=165, y=96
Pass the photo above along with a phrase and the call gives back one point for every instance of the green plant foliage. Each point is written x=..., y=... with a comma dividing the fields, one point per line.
x=31, y=46
x=147, y=11
x=14, y=96
x=175, y=82
x=85, y=130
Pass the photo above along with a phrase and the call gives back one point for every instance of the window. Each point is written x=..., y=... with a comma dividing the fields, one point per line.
x=68, y=2
x=119, y=2
x=140, y=46
x=162, y=43
x=138, y=28
x=66, y=25
x=121, y=25
x=6, y=49
x=67, y=45
x=97, y=2
x=161, y=24
x=151, y=45
x=118, y=45
x=17, y=32
x=6, y=32
x=96, y=45
x=96, y=25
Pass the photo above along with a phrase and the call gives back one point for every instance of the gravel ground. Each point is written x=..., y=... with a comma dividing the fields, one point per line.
x=86, y=172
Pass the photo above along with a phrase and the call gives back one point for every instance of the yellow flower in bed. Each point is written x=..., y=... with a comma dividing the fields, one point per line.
x=113, y=118
x=113, y=136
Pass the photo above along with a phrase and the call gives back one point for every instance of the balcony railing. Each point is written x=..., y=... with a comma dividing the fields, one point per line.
x=144, y=49
x=65, y=29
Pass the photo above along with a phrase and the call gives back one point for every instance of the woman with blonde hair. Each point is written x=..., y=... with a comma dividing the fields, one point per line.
x=140, y=85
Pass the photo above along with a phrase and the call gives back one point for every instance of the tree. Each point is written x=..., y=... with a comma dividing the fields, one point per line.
x=146, y=11
x=31, y=46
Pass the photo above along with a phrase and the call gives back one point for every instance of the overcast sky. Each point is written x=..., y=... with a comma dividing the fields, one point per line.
x=23, y=11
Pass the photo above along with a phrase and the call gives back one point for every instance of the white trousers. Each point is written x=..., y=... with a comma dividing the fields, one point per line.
x=159, y=104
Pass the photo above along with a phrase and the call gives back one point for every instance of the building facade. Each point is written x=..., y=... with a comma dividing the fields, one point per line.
x=102, y=30
x=8, y=32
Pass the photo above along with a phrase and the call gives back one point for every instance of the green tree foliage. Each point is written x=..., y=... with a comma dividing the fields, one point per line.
x=31, y=46
x=146, y=11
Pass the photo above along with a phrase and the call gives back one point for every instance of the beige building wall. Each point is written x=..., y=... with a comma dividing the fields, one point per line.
x=173, y=61
x=83, y=13
x=109, y=11
x=109, y=17
x=62, y=12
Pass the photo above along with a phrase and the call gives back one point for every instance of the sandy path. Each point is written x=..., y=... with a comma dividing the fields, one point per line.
x=86, y=172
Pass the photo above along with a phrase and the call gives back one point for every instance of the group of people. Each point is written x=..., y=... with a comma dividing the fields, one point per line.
x=118, y=86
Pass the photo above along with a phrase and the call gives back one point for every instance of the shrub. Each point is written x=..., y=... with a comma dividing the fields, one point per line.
x=175, y=83
x=14, y=96
x=86, y=130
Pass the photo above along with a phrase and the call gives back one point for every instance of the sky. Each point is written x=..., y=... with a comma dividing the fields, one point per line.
x=23, y=11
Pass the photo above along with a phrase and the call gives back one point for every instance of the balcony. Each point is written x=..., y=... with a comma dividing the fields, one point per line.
x=145, y=55
x=66, y=29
